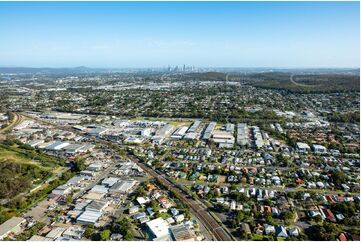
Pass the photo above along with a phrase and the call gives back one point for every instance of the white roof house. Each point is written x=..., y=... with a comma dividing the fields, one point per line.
x=294, y=231
x=320, y=149
x=269, y=229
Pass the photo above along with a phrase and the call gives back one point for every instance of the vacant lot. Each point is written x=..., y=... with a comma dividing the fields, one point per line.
x=23, y=168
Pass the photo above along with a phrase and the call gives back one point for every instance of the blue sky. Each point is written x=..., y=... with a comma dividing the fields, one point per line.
x=155, y=34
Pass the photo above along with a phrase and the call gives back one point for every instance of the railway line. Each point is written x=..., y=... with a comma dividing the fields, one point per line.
x=199, y=211
x=17, y=118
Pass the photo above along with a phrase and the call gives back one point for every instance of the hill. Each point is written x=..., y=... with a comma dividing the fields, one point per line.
x=315, y=83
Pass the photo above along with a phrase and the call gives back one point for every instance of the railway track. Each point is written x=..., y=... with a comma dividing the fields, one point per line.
x=199, y=211
x=17, y=118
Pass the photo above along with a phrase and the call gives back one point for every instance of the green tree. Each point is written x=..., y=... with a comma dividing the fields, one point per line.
x=89, y=232
x=128, y=236
x=78, y=164
x=105, y=235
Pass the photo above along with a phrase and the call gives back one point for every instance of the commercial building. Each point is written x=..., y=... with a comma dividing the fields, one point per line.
x=159, y=229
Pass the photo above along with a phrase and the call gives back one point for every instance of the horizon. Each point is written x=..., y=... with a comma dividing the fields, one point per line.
x=162, y=67
x=105, y=35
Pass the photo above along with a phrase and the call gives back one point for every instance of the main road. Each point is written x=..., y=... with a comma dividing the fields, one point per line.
x=213, y=226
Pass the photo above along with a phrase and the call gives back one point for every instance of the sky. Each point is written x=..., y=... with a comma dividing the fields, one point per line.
x=158, y=34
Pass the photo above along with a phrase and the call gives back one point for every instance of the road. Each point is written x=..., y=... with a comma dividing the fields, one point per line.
x=300, y=84
x=199, y=210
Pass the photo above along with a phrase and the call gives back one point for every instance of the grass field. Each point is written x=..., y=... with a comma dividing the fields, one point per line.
x=23, y=168
x=27, y=155
x=12, y=156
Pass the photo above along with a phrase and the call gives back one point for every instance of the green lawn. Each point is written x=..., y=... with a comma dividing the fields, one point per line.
x=28, y=156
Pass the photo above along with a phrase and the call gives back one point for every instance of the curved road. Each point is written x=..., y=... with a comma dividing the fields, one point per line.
x=300, y=84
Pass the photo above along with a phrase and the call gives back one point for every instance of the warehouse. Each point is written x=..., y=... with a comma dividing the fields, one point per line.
x=242, y=134
x=11, y=226
x=97, y=131
x=182, y=232
x=179, y=133
x=96, y=206
x=73, y=148
x=89, y=217
x=122, y=187
x=58, y=145
x=223, y=139
x=194, y=126
x=159, y=229
x=209, y=130
x=55, y=233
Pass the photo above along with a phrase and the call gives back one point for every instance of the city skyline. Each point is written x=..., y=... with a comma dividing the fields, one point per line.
x=142, y=34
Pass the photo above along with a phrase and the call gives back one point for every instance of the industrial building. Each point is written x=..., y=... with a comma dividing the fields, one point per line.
x=179, y=133
x=159, y=229
x=209, y=130
x=194, y=126
x=242, y=134
x=11, y=226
